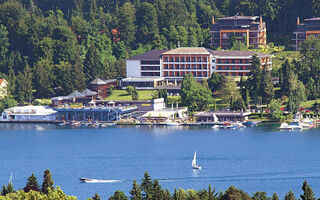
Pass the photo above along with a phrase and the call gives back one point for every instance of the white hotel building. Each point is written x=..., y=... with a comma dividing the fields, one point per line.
x=166, y=68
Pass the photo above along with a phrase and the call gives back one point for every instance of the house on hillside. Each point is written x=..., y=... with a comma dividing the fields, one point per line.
x=102, y=87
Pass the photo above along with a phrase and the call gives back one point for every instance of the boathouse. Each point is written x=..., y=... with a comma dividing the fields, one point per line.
x=223, y=116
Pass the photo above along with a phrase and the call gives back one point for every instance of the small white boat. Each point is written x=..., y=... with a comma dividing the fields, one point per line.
x=194, y=162
x=171, y=123
x=293, y=126
x=216, y=127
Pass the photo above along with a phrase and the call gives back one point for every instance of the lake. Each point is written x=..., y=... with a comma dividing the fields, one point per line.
x=253, y=159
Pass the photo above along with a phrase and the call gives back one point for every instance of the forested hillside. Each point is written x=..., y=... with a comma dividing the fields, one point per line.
x=54, y=47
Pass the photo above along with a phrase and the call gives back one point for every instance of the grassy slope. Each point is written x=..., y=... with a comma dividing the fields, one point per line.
x=123, y=95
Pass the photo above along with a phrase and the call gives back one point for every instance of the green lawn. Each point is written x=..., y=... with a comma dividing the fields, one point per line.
x=123, y=95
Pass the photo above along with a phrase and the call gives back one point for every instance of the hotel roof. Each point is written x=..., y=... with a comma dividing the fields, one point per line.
x=150, y=55
x=187, y=50
x=223, y=53
x=240, y=17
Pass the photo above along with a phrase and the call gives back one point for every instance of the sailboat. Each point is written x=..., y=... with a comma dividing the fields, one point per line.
x=194, y=162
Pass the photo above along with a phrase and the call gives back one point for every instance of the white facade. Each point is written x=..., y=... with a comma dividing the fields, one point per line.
x=133, y=68
x=29, y=114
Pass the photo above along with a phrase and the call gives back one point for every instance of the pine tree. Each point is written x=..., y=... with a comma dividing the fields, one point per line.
x=255, y=78
x=135, y=191
x=4, y=191
x=147, y=186
x=10, y=188
x=275, y=196
x=289, y=196
x=286, y=71
x=307, y=192
x=32, y=184
x=47, y=182
x=266, y=87
x=118, y=195
x=96, y=197
x=93, y=68
x=157, y=192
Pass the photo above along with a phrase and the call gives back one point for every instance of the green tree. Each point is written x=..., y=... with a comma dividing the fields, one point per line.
x=216, y=81
x=289, y=196
x=307, y=192
x=32, y=184
x=266, y=87
x=43, y=79
x=275, y=196
x=255, y=78
x=127, y=19
x=275, y=112
x=230, y=91
x=96, y=197
x=194, y=95
x=47, y=182
x=118, y=195
x=93, y=67
x=10, y=188
x=147, y=186
x=24, y=85
x=235, y=193
x=4, y=191
x=4, y=45
x=129, y=90
x=147, y=23
x=7, y=102
x=260, y=196
x=297, y=93
x=135, y=192
x=286, y=70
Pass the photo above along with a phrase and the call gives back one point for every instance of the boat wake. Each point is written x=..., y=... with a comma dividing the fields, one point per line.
x=87, y=180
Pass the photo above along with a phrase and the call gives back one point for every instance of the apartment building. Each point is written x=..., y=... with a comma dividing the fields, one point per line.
x=250, y=30
x=166, y=68
x=310, y=27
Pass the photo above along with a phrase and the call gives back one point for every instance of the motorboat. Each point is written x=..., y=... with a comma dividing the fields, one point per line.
x=194, y=162
x=85, y=180
x=171, y=123
x=216, y=127
x=249, y=123
x=293, y=126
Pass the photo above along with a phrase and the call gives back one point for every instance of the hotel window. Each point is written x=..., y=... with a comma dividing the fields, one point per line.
x=183, y=59
x=204, y=66
x=233, y=74
x=177, y=59
x=166, y=66
x=213, y=61
x=199, y=59
x=171, y=59
x=178, y=74
x=204, y=59
x=219, y=68
x=188, y=66
x=241, y=67
x=193, y=59
x=188, y=59
x=194, y=67
x=176, y=67
x=165, y=59
x=182, y=66
x=219, y=61
x=205, y=73
x=234, y=68
x=226, y=61
x=233, y=61
x=183, y=73
x=226, y=74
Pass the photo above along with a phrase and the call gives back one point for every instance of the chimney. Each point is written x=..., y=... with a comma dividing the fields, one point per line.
x=298, y=21
x=261, y=22
x=212, y=19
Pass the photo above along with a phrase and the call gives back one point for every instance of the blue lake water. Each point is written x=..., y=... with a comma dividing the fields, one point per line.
x=253, y=159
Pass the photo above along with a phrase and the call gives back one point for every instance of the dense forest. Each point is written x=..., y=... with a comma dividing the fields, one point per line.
x=50, y=48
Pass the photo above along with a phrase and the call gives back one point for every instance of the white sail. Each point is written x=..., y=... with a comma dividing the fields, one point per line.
x=194, y=161
x=10, y=179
